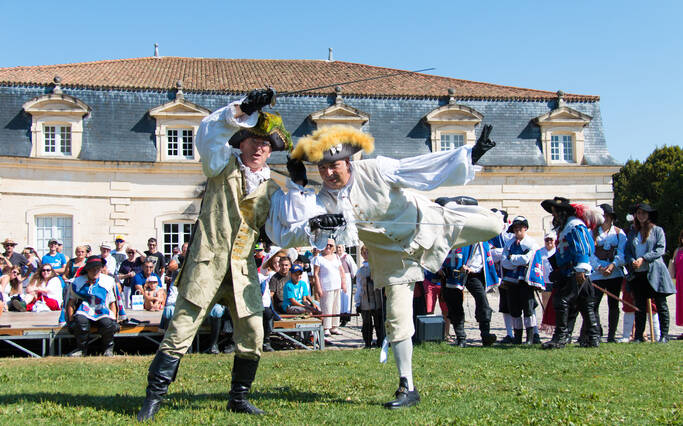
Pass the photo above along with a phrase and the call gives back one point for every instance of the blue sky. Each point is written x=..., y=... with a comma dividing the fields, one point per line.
x=629, y=53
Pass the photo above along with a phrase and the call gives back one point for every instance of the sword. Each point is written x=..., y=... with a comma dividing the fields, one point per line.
x=614, y=296
x=295, y=92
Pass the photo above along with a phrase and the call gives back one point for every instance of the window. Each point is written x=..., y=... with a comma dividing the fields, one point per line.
x=562, y=148
x=451, y=141
x=180, y=143
x=57, y=140
x=57, y=227
x=175, y=235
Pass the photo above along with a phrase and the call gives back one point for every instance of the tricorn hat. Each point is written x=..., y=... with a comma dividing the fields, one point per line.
x=651, y=211
x=270, y=127
x=518, y=220
x=94, y=262
x=332, y=143
x=608, y=210
x=559, y=203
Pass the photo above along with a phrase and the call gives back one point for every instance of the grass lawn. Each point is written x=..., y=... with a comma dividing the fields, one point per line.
x=616, y=383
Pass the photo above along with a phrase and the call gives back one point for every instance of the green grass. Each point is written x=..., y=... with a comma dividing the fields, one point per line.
x=617, y=383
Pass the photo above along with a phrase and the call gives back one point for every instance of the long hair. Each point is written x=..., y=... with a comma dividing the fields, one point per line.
x=643, y=228
x=36, y=278
x=560, y=219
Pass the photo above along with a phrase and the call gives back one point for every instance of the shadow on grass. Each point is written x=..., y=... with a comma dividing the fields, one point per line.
x=128, y=405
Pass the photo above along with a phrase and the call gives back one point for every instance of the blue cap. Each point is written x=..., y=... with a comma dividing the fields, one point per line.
x=296, y=268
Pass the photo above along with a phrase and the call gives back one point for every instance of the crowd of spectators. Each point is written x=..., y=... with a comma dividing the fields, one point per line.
x=298, y=281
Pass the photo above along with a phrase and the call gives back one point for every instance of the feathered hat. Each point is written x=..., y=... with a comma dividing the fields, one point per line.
x=332, y=143
x=270, y=127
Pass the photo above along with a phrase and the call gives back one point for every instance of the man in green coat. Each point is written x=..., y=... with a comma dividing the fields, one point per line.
x=234, y=143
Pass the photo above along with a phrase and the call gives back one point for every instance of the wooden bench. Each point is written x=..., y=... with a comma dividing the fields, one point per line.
x=44, y=326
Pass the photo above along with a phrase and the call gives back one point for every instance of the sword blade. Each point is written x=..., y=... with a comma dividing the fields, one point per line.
x=294, y=92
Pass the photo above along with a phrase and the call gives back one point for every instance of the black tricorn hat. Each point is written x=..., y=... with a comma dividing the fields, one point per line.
x=608, y=210
x=559, y=203
x=462, y=200
x=94, y=262
x=651, y=211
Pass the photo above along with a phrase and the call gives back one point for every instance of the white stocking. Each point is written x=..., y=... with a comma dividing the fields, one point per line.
x=403, y=353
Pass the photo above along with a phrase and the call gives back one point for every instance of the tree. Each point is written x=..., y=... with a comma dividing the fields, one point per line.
x=659, y=182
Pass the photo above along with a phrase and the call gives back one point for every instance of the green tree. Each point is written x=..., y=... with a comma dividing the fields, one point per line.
x=659, y=182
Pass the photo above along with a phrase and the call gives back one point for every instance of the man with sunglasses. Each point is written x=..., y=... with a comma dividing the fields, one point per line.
x=234, y=143
x=16, y=259
x=154, y=255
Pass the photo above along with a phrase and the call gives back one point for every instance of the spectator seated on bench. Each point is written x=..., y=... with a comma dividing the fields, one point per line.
x=297, y=298
x=92, y=303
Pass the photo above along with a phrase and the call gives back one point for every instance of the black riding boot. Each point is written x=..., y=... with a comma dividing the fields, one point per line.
x=529, y=335
x=243, y=373
x=663, y=315
x=404, y=397
x=517, y=340
x=215, y=334
x=592, y=333
x=487, y=339
x=561, y=335
x=460, y=336
x=161, y=373
x=80, y=328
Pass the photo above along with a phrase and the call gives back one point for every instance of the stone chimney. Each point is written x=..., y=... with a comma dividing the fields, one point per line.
x=156, y=50
x=329, y=55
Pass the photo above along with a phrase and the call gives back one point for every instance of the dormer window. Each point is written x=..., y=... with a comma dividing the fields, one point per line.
x=451, y=141
x=177, y=124
x=452, y=125
x=562, y=137
x=180, y=143
x=562, y=148
x=57, y=125
x=57, y=140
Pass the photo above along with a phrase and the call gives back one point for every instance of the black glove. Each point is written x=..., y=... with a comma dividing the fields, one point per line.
x=327, y=221
x=256, y=99
x=297, y=171
x=483, y=144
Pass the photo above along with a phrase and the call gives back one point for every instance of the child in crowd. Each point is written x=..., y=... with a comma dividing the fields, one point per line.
x=154, y=295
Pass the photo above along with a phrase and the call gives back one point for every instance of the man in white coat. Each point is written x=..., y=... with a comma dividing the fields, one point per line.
x=404, y=232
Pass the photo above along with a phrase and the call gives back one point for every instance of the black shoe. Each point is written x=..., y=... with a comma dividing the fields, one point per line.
x=664, y=339
x=537, y=339
x=229, y=348
x=162, y=372
x=488, y=340
x=213, y=350
x=507, y=340
x=243, y=373
x=529, y=336
x=611, y=340
x=404, y=397
x=589, y=343
x=460, y=342
x=553, y=344
x=267, y=348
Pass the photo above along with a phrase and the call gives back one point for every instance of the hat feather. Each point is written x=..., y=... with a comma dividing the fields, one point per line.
x=312, y=148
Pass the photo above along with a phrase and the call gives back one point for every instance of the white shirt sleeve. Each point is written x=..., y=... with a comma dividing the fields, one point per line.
x=287, y=224
x=214, y=133
x=428, y=171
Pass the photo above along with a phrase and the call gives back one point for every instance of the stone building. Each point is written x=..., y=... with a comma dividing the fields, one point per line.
x=92, y=150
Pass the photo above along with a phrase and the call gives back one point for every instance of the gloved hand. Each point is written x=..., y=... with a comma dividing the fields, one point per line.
x=483, y=144
x=297, y=171
x=256, y=99
x=326, y=221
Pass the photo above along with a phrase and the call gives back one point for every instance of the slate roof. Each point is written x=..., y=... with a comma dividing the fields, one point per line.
x=241, y=75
